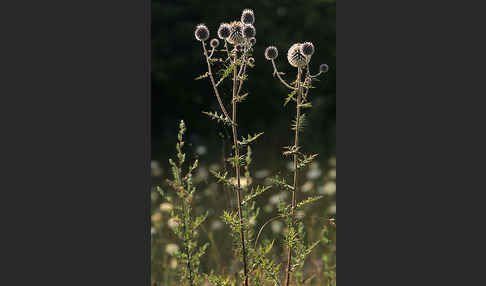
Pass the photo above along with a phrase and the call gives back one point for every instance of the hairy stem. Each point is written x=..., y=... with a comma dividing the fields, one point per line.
x=296, y=144
x=214, y=83
x=237, y=169
x=275, y=71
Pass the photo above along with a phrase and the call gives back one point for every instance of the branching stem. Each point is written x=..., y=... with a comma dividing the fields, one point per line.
x=296, y=144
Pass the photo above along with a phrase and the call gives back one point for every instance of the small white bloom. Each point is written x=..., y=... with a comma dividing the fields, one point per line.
x=332, y=209
x=277, y=226
x=171, y=248
x=166, y=207
x=173, y=222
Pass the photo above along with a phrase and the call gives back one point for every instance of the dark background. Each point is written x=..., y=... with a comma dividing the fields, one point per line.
x=177, y=59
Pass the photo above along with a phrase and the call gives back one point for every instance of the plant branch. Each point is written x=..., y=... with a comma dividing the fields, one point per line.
x=275, y=71
x=296, y=144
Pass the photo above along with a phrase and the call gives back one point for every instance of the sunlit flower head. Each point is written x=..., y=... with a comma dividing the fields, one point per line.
x=248, y=16
x=201, y=33
x=224, y=31
x=214, y=43
x=271, y=53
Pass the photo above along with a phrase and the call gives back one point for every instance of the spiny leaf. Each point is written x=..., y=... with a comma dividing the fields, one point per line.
x=280, y=182
x=308, y=201
x=241, y=98
x=306, y=160
x=250, y=138
x=218, y=117
x=202, y=76
x=306, y=105
x=225, y=73
x=221, y=177
x=302, y=123
x=255, y=193
x=291, y=150
x=290, y=97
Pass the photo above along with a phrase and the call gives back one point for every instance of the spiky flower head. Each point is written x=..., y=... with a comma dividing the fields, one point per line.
x=253, y=41
x=323, y=68
x=251, y=60
x=296, y=57
x=249, y=31
x=308, y=48
x=271, y=53
x=201, y=32
x=224, y=31
x=214, y=43
x=236, y=35
x=247, y=16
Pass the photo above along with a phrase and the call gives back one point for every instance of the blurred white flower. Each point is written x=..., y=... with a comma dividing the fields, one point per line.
x=171, y=248
x=173, y=222
x=201, y=174
x=329, y=188
x=252, y=221
x=275, y=199
x=201, y=150
x=268, y=208
x=313, y=173
x=332, y=209
x=332, y=161
x=276, y=226
x=156, y=217
x=260, y=174
x=307, y=186
x=153, y=230
x=216, y=224
x=244, y=181
x=332, y=173
x=155, y=167
x=173, y=263
x=290, y=166
x=300, y=214
x=166, y=207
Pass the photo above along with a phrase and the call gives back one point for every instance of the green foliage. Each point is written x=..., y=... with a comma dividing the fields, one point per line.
x=218, y=117
x=250, y=139
x=290, y=96
x=280, y=182
x=186, y=230
x=302, y=123
x=255, y=193
x=305, y=160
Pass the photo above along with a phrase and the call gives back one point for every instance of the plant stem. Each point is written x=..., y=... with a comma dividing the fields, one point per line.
x=237, y=169
x=214, y=83
x=296, y=144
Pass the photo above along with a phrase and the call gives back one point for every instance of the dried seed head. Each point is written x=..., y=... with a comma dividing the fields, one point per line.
x=247, y=16
x=253, y=41
x=271, y=53
x=249, y=31
x=201, y=32
x=296, y=57
x=308, y=48
x=323, y=68
x=214, y=43
x=236, y=35
x=251, y=60
x=224, y=31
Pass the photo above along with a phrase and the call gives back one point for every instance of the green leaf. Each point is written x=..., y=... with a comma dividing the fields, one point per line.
x=290, y=97
x=219, y=117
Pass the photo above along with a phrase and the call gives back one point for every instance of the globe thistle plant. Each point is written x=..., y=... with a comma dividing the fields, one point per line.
x=201, y=33
x=239, y=40
x=299, y=56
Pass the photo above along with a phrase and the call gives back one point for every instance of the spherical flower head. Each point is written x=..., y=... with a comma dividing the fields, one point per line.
x=224, y=31
x=214, y=43
x=296, y=57
x=323, y=68
x=253, y=41
x=247, y=16
x=308, y=48
x=236, y=35
x=201, y=32
x=271, y=53
x=249, y=31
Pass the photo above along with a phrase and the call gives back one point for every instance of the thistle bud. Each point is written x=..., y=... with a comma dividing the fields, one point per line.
x=224, y=31
x=248, y=17
x=296, y=57
x=271, y=53
x=249, y=31
x=236, y=35
x=308, y=48
x=214, y=43
x=323, y=68
x=201, y=33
